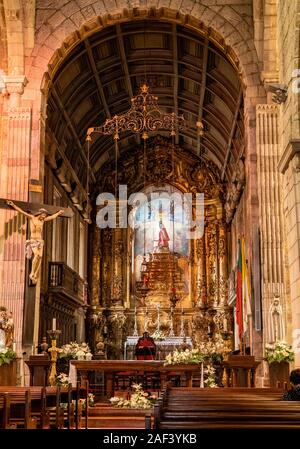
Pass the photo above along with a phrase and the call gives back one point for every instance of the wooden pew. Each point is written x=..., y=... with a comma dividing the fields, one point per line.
x=31, y=407
x=16, y=409
x=225, y=408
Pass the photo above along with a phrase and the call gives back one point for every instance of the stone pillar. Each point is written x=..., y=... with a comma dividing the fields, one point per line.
x=14, y=184
x=271, y=214
x=289, y=165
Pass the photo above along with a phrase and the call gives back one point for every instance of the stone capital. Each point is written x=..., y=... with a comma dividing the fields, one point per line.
x=14, y=84
x=291, y=150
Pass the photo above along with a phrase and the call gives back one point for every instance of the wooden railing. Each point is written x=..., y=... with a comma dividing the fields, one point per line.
x=63, y=279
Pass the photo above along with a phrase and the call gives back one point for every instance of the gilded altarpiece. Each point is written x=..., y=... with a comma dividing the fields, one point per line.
x=119, y=293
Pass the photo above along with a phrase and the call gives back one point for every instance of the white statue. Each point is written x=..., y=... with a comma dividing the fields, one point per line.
x=276, y=331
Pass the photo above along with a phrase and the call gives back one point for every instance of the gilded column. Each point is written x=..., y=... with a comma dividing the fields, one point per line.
x=106, y=265
x=118, y=271
x=212, y=265
x=222, y=262
x=201, y=293
x=96, y=272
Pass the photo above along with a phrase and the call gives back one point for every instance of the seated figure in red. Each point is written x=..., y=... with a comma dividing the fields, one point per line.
x=145, y=348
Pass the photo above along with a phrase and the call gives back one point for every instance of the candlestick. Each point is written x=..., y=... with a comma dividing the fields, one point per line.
x=54, y=324
x=158, y=318
x=202, y=377
x=135, y=331
x=54, y=351
x=171, y=333
x=182, y=333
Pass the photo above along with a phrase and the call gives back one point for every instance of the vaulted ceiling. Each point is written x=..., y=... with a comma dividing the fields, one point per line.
x=189, y=74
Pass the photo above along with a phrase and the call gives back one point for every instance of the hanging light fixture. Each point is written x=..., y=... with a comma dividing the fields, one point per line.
x=143, y=117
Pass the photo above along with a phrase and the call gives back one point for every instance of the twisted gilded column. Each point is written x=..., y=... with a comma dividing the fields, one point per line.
x=222, y=263
x=201, y=290
x=212, y=264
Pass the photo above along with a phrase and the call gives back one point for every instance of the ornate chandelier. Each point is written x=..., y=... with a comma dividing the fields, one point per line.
x=143, y=117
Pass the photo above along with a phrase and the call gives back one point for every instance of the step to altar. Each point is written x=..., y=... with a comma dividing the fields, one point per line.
x=104, y=416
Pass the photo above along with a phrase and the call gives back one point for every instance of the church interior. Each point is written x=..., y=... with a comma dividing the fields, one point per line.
x=150, y=204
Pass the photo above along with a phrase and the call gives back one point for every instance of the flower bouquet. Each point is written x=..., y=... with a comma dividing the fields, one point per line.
x=62, y=380
x=212, y=350
x=210, y=377
x=138, y=400
x=73, y=350
x=7, y=355
x=280, y=351
x=188, y=356
x=158, y=335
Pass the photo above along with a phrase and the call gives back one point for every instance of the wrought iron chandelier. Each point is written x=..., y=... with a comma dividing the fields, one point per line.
x=143, y=117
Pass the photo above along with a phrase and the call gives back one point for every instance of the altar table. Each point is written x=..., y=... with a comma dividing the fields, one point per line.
x=80, y=368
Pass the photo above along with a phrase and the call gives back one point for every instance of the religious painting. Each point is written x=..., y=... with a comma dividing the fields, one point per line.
x=161, y=247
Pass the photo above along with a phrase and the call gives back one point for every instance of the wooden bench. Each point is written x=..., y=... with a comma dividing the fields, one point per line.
x=32, y=407
x=198, y=408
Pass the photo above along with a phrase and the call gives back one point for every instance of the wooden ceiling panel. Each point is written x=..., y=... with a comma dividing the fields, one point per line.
x=184, y=69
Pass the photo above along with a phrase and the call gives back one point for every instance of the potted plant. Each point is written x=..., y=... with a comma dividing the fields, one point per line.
x=279, y=355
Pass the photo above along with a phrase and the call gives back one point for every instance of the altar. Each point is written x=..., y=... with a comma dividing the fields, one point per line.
x=163, y=347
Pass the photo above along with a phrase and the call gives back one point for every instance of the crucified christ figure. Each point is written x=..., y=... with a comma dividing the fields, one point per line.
x=35, y=245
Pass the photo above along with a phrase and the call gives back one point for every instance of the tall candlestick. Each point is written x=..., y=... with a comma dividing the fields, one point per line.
x=54, y=324
x=158, y=318
x=202, y=377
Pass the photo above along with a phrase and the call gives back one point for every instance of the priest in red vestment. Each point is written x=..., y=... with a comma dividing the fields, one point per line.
x=145, y=348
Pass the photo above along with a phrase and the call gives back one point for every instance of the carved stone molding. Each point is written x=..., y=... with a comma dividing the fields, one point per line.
x=15, y=84
x=291, y=150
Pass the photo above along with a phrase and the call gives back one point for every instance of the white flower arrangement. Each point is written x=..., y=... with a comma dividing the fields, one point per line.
x=188, y=356
x=75, y=350
x=280, y=351
x=213, y=350
x=62, y=380
x=210, y=374
x=138, y=400
x=158, y=335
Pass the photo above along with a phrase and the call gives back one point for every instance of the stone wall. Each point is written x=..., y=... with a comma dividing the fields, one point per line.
x=289, y=74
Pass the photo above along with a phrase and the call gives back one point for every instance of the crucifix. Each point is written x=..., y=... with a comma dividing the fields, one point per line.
x=37, y=215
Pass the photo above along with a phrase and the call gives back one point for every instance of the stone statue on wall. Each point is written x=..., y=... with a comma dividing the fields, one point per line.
x=35, y=245
x=277, y=331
